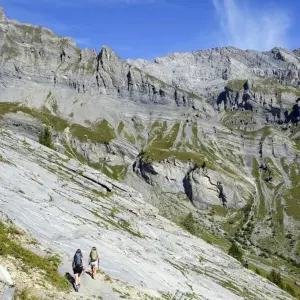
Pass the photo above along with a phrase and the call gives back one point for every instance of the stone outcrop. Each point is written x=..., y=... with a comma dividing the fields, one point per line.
x=6, y=283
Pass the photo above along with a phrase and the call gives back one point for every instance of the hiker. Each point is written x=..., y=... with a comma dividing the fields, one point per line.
x=94, y=261
x=77, y=268
x=247, y=264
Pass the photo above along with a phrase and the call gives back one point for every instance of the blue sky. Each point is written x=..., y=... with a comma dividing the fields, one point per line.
x=153, y=28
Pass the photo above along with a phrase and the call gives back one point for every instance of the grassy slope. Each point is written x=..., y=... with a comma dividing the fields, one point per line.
x=46, y=265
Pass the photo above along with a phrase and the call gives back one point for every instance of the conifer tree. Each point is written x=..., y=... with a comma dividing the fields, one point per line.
x=235, y=251
x=45, y=138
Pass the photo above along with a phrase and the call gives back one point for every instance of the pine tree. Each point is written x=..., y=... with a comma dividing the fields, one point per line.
x=235, y=251
x=189, y=224
x=45, y=138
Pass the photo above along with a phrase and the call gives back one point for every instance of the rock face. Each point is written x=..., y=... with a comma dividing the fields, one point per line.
x=6, y=284
x=32, y=54
x=137, y=245
x=189, y=132
x=207, y=71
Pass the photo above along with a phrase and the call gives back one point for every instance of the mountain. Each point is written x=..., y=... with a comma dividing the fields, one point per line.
x=206, y=72
x=155, y=141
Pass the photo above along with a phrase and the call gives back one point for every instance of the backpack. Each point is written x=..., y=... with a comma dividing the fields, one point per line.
x=94, y=255
x=78, y=259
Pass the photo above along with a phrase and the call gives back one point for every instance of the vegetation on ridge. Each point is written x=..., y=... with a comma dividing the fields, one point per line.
x=47, y=265
x=101, y=132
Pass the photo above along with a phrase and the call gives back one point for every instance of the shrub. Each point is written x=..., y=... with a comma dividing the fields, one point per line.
x=289, y=236
x=235, y=252
x=290, y=290
x=257, y=271
x=275, y=277
x=26, y=294
x=189, y=224
x=45, y=138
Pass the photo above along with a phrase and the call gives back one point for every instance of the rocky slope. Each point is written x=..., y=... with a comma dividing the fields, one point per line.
x=190, y=132
x=70, y=205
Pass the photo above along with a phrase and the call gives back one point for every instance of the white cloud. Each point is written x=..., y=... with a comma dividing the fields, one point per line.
x=248, y=27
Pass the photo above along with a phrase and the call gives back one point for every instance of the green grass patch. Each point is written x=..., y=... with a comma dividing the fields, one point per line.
x=100, y=132
x=161, y=146
x=294, y=174
x=130, y=138
x=123, y=131
x=215, y=239
x=188, y=223
x=26, y=294
x=233, y=223
x=279, y=217
x=231, y=287
x=292, y=199
x=152, y=154
x=290, y=90
x=219, y=210
x=117, y=172
x=253, y=135
x=236, y=84
x=57, y=123
x=284, y=165
x=256, y=175
x=270, y=85
x=48, y=265
x=163, y=140
x=275, y=171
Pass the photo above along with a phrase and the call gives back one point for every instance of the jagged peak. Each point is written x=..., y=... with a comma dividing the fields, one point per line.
x=296, y=51
x=107, y=49
x=108, y=53
x=276, y=49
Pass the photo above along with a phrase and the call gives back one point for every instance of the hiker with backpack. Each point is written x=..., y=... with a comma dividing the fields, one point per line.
x=77, y=268
x=94, y=261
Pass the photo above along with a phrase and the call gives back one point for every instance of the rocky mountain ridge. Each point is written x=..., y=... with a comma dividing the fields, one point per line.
x=206, y=71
